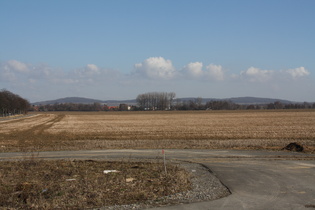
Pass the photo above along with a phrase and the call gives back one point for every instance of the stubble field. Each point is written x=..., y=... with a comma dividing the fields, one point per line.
x=154, y=130
x=66, y=184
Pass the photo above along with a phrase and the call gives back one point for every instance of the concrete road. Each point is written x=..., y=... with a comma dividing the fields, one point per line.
x=257, y=179
x=266, y=184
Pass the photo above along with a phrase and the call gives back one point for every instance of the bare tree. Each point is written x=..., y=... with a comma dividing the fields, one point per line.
x=11, y=103
x=156, y=100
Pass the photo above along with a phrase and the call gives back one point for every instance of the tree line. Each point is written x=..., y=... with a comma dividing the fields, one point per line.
x=156, y=101
x=167, y=101
x=196, y=104
x=80, y=107
x=12, y=104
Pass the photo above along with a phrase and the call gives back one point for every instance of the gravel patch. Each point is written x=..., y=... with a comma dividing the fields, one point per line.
x=205, y=187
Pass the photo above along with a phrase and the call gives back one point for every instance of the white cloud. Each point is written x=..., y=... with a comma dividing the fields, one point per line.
x=89, y=71
x=298, y=72
x=91, y=74
x=193, y=70
x=156, y=68
x=92, y=69
x=257, y=75
x=11, y=70
x=42, y=71
x=17, y=66
x=41, y=81
x=212, y=72
x=87, y=75
x=215, y=72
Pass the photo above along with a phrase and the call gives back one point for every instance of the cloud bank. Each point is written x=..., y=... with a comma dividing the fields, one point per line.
x=195, y=70
x=297, y=72
x=257, y=75
x=37, y=80
x=155, y=68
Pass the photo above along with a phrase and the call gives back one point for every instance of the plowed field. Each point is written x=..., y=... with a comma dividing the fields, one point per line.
x=198, y=129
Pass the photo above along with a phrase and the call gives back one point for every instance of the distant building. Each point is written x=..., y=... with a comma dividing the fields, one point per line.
x=124, y=107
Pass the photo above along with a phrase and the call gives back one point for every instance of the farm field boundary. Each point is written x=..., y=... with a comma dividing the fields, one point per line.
x=156, y=130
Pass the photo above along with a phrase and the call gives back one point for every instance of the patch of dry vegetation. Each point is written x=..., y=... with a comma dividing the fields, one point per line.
x=168, y=129
x=65, y=184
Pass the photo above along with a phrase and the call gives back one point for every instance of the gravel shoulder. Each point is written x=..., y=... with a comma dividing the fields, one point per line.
x=205, y=187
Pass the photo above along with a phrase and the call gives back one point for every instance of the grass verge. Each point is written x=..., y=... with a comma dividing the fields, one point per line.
x=81, y=184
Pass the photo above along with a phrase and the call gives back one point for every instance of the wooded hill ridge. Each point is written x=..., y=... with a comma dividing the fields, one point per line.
x=236, y=100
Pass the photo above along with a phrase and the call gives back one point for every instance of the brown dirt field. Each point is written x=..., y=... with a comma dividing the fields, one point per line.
x=260, y=129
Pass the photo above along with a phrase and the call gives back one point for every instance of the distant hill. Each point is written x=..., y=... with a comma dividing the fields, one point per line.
x=242, y=100
x=80, y=100
x=255, y=100
x=75, y=100
x=237, y=100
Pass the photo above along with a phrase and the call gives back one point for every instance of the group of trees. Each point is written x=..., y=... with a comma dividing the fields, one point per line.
x=279, y=105
x=11, y=104
x=167, y=101
x=197, y=104
x=156, y=101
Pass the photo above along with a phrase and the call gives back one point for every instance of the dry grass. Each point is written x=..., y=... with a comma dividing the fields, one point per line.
x=191, y=129
x=65, y=184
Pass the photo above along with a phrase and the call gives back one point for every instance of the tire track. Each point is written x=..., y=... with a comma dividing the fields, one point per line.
x=39, y=129
x=31, y=138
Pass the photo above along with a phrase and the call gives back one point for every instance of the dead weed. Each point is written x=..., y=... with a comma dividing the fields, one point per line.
x=65, y=184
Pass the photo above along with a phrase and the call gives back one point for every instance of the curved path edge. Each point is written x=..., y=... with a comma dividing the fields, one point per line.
x=256, y=179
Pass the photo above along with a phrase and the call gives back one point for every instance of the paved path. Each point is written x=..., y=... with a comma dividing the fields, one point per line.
x=257, y=179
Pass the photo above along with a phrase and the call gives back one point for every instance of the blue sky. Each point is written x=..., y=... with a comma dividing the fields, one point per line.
x=119, y=49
